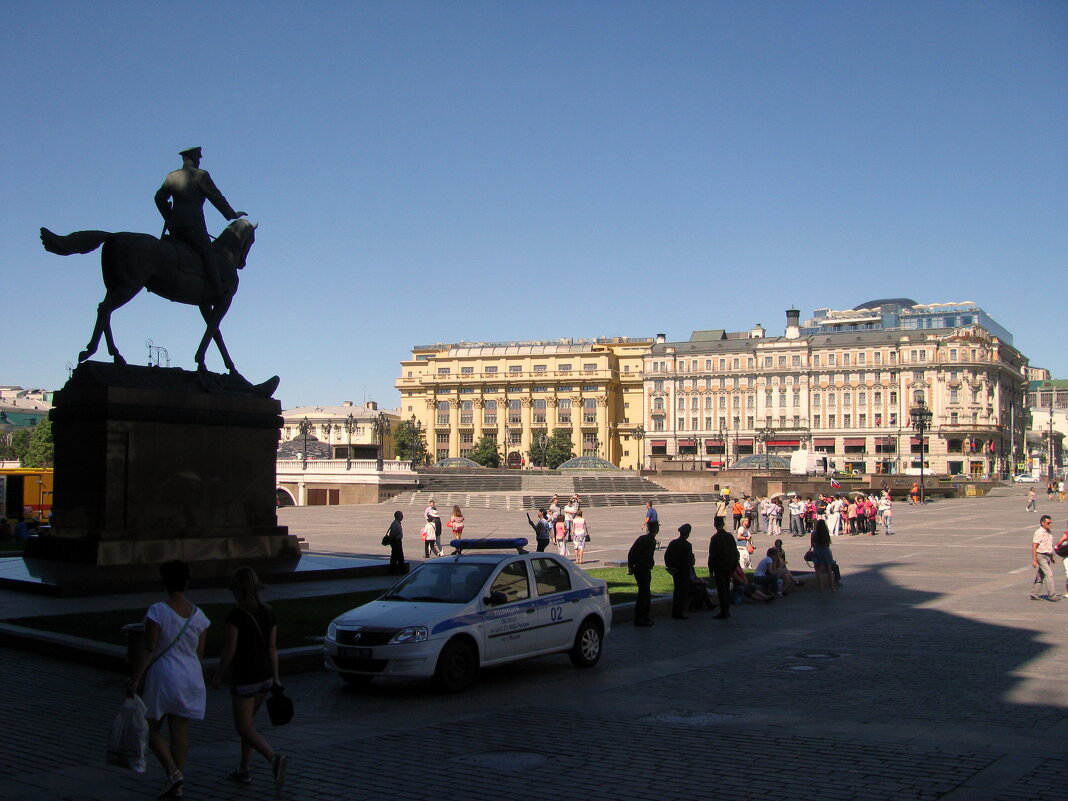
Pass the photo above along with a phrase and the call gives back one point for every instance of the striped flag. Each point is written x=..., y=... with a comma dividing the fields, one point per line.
x=836, y=483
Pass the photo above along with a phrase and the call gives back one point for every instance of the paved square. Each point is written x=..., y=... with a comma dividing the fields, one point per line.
x=930, y=676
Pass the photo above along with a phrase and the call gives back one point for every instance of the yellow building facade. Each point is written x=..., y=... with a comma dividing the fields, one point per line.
x=515, y=392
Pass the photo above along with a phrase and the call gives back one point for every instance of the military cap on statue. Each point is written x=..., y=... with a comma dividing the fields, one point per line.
x=192, y=152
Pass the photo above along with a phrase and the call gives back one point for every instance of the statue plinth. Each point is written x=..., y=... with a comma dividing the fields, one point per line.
x=156, y=463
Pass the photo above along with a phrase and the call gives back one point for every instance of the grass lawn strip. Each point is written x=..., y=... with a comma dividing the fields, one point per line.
x=301, y=621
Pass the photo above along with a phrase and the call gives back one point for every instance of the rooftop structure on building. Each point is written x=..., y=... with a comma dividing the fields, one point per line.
x=893, y=314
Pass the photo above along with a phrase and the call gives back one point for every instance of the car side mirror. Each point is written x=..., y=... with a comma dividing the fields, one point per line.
x=496, y=598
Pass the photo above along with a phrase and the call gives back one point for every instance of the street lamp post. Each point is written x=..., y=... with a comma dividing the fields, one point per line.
x=921, y=422
x=380, y=423
x=305, y=429
x=543, y=442
x=737, y=420
x=350, y=428
x=1051, y=436
x=327, y=429
x=763, y=435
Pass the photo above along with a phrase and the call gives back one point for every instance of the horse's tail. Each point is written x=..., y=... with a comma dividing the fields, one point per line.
x=78, y=242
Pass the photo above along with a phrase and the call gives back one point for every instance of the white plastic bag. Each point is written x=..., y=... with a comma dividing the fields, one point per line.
x=129, y=736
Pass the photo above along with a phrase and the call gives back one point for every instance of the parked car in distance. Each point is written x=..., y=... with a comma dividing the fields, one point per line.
x=452, y=616
x=1025, y=478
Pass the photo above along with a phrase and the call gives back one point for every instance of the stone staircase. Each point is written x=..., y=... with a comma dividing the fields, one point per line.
x=496, y=489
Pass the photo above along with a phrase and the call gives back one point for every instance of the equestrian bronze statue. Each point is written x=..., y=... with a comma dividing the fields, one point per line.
x=185, y=267
x=165, y=267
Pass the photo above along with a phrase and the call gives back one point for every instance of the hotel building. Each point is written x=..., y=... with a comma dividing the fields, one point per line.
x=516, y=392
x=718, y=396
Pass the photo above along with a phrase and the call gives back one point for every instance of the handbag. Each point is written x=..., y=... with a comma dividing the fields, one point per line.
x=808, y=555
x=279, y=707
x=1061, y=548
x=385, y=538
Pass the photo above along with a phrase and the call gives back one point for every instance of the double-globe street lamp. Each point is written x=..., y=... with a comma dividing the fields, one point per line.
x=921, y=422
x=305, y=429
x=639, y=435
x=350, y=428
x=380, y=425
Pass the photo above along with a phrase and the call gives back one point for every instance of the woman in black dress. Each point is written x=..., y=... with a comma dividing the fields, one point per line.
x=250, y=657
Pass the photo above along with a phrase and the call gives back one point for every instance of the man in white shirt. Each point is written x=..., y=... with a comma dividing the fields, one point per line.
x=1042, y=559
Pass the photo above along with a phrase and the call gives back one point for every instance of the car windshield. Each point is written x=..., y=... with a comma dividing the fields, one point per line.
x=441, y=581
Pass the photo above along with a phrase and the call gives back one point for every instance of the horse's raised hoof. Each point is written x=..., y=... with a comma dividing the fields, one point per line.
x=267, y=388
x=85, y=354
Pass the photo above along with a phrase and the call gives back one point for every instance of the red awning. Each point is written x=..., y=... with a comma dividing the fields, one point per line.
x=658, y=443
x=687, y=443
x=715, y=464
x=744, y=441
x=713, y=442
x=793, y=443
x=823, y=443
x=854, y=442
x=915, y=441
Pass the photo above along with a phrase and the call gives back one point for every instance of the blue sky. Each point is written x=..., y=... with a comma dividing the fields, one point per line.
x=438, y=171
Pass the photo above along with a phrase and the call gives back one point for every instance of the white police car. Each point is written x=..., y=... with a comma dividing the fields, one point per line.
x=453, y=615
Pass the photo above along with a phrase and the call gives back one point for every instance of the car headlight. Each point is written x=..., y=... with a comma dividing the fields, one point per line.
x=331, y=630
x=411, y=634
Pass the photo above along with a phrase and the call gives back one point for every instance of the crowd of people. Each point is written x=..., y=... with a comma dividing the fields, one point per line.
x=845, y=513
x=730, y=556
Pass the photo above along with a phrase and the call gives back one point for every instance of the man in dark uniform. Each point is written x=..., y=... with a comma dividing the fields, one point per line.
x=640, y=561
x=678, y=559
x=722, y=562
x=396, y=543
x=181, y=202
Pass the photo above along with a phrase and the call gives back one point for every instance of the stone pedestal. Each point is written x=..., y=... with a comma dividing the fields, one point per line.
x=154, y=464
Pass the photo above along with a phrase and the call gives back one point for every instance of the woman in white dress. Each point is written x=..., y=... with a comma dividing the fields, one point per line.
x=175, y=631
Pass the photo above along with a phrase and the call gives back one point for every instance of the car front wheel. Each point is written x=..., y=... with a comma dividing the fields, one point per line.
x=457, y=667
x=588, y=642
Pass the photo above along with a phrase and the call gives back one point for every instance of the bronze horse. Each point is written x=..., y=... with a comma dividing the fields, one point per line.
x=166, y=267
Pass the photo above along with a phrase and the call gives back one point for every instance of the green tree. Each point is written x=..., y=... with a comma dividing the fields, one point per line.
x=559, y=448
x=40, y=451
x=409, y=443
x=16, y=445
x=485, y=452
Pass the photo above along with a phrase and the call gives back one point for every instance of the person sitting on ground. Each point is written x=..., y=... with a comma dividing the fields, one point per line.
x=744, y=589
x=764, y=576
x=781, y=570
x=700, y=597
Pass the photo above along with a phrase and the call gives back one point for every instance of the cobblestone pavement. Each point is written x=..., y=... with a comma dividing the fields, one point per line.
x=931, y=675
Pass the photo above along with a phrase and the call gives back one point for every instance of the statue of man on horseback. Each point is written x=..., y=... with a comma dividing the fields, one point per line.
x=181, y=202
x=185, y=268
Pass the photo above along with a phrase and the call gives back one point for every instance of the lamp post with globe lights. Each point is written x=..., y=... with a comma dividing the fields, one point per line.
x=921, y=422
